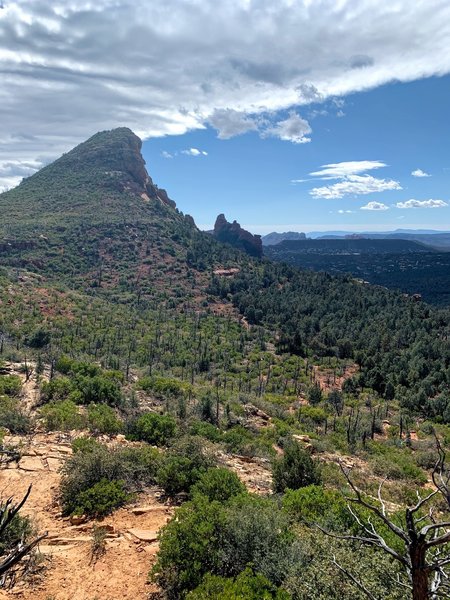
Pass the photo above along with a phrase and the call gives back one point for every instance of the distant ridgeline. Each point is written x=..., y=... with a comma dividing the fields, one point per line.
x=409, y=266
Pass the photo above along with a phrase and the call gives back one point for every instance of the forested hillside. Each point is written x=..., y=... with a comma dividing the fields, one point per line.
x=167, y=373
x=404, y=265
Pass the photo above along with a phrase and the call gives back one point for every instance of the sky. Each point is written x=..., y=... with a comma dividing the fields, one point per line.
x=298, y=115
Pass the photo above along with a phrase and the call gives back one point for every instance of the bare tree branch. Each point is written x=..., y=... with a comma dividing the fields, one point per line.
x=356, y=581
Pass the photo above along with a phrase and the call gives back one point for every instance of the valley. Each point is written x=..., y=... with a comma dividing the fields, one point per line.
x=194, y=417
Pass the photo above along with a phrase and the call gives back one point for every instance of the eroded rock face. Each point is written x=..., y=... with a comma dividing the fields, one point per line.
x=233, y=234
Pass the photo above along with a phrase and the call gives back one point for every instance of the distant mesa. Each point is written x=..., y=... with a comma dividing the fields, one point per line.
x=271, y=239
x=233, y=234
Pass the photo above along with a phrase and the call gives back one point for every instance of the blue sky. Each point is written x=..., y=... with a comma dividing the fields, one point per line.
x=258, y=93
x=404, y=125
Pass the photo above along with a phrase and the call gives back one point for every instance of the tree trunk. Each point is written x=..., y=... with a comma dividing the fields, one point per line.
x=419, y=573
x=420, y=585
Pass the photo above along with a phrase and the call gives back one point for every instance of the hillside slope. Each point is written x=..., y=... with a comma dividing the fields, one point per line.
x=95, y=217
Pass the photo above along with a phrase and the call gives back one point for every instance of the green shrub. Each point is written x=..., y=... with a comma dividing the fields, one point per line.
x=99, y=500
x=246, y=586
x=101, y=418
x=219, y=484
x=206, y=430
x=10, y=385
x=12, y=417
x=85, y=445
x=18, y=529
x=134, y=467
x=38, y=338
x=223, y=539
x=314, y=394
x=153, y=428
x=237, y=439
x=257, y=533
x=397, y=465
x=315, y=505
x=99, y=389
x=57, y=388
x=190, y=547
x=183, y=465
x=164, y=387
x=62, y=416
x=295, y=469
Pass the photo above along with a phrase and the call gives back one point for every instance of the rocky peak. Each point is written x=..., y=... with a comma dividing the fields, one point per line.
x=235, y=235
x=112, y=159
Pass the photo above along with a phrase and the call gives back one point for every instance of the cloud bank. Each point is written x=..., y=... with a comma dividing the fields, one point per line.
x=353, y=179
x=69, y=69
x=422, y=204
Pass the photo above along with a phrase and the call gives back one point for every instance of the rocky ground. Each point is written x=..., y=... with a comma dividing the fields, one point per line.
x=69, y=570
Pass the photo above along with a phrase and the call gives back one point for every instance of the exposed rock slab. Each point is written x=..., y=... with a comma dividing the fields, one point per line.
x=144, y=535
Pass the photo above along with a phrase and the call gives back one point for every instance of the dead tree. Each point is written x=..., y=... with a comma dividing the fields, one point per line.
x=425, y=556
x=12, y=559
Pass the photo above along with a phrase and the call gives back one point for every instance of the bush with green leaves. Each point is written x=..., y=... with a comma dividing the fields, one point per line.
x=165, y=387
x=314, y=576
x=62, y=416
x=183, y=465
x=153, y=428
x=223, y=538
x=314, y=394
x=101, y=499
x=12, y=417
x=85, y=444
x=396, y=464
x=83, y=383
x=102, y=418
x=206, y=430
x=100, y=389
x=10, y=385
x=295, y=469
x=19, y=528
x=218, y=484
x=135, y=467
x=313, y=505
x=57, y=388
x=190, y=547
x=246, y=586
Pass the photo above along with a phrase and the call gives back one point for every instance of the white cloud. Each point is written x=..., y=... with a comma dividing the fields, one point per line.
x=420, y=173
x=230, y=122
x=13, y=171
x=194, y=152
x=355, y=185
x=345, y=169
x=422, y=204
x=166, y=154
x=69, y=69
x=345, y=212
x=375, y=206
x=293, y=129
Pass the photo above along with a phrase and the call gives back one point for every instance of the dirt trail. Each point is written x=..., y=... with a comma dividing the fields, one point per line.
x=70, y=573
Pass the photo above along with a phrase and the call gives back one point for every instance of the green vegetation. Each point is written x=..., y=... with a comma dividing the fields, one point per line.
x=100, y=499
x=183, y=465
x=218, y=484
x=295, y=469
x=246, y=586
x=153, y=428
x=120, y=319
x=397, y=264
x=97, y=479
